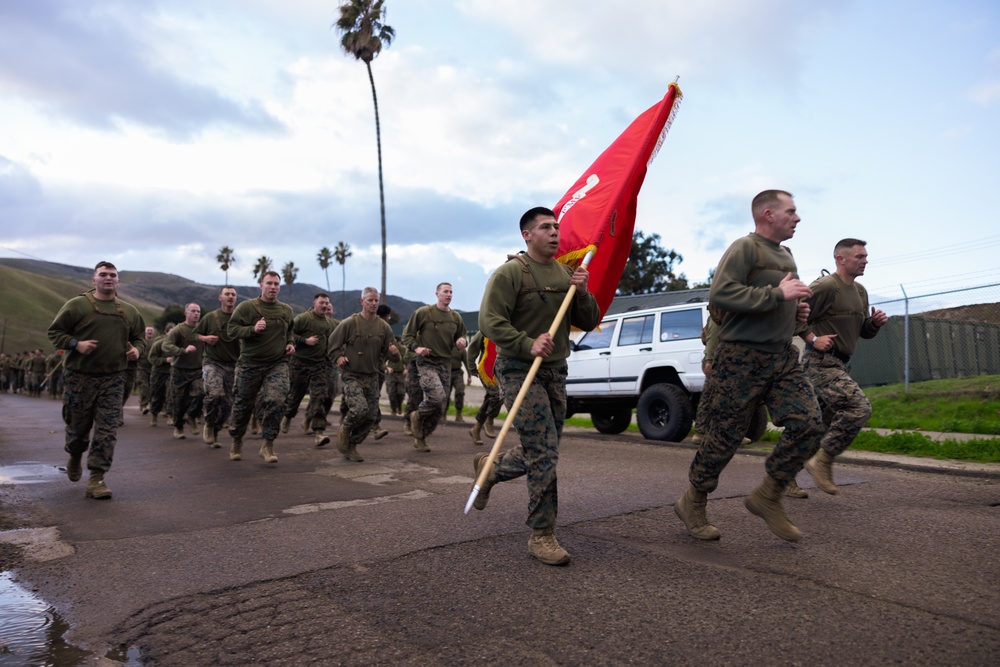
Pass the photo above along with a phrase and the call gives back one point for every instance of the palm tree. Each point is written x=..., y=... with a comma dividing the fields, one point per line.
x=262, y=266
x=289, y=272
x=325, y=257
x=341, y=253
x=225, y=258
x=362, y=35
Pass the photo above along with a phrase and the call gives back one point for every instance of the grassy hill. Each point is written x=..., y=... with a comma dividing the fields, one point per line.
x=32, y=291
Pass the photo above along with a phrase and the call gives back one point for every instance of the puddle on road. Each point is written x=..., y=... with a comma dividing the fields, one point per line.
x=31, y=633
x=29, y=472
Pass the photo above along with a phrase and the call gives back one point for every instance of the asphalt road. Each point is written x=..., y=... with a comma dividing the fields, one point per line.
x=198, y=560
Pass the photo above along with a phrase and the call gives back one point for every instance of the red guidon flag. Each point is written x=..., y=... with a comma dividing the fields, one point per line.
x=598, y=212
x=489, y=359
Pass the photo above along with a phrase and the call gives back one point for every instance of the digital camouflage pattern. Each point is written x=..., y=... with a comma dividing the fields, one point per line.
x=844, y=406
x=414, y=394
x=186, y=394
x=395, y=387
x=312, y=377
x=93, y=403
x=491, y=405
x=259, y=389
x=361, y=393
x=741, y=379
x=539, y=424
x=217, y=380
x=435, y=385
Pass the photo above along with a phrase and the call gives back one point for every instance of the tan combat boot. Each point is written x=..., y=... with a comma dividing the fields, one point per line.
x=406, y=425
x=378, y=432
x=96, y=488
x=267, y=452
x=418, y=433
x=208, y=435
x=352, y=454
x=820, y=467
x=765, y=502
x=74, y=467
x=285, y=424
x=193, y=423
x=179, y=433
x=543, y=545
x=488, y=429
x=690, y=508
x=459, y=418
x=697, y=438
x=152, y=420
x=236, y=450
x=475, y=432
x=321, y=439
x=483, y=496
x=793, y=490
x=342, y=445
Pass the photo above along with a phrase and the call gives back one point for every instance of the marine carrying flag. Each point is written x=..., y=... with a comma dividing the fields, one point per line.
x=598, y=212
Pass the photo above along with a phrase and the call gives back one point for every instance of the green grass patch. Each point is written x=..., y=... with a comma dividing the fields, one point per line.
x=958, y=405
x=908, y=443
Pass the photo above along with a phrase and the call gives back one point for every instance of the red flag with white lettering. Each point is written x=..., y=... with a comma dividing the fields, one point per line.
x=598, y=212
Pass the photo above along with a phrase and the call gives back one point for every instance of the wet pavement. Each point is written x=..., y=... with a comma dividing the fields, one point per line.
x=198, y=560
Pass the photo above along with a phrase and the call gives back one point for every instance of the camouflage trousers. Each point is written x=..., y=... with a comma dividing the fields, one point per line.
x=741, y=379
x=491, y=404
x=844, y=406
x=395, y=387
x=361, y=392
x=458, y=389
x=142, y=382
x=539, y=424
x=130, y=374
x=312, y=377
x=435, y=385
x=414, y=394
x=262, y=387
x=334, y=386
x=187, y=395
x=159, y=378
x=93, y=402
x=217, y=379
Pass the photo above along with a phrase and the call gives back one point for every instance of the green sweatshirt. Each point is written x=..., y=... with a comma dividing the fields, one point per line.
x=216, y=323
x=437, y=329
x=365, y=343
x=838, y=308
x=268, y=346
x=513, y=318
x=176, y=343
x=157, y=359
x=310, y=324
x=746, y=286
x=114, y=324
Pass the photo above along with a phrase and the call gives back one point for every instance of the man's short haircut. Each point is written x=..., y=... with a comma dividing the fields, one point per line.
x=103, y=264
x=270, y=273
x=321, y=295
x=844, y=244
x=188, y=305
x=440, y=285
x=529, y=216
x=368, y=290
x=225, y=287
x=766, y=199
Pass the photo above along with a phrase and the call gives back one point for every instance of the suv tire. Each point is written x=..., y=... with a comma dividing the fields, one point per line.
x=664, y=413
x=612, y=421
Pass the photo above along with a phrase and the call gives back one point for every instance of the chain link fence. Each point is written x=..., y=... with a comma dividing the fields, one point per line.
x=954, y=333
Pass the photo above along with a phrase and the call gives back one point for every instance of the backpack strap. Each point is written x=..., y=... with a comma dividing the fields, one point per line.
x=529, y=284
x=97, y=311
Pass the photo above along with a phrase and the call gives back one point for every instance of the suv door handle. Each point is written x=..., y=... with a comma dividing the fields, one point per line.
x=645, y=349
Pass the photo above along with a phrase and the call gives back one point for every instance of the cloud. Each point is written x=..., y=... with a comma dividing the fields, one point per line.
x=82, y=61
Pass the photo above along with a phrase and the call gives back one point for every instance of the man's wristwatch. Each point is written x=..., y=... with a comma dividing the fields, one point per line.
x=72, y=343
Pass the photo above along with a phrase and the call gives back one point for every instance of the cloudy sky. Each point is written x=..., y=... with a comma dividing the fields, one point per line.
x=153, y=133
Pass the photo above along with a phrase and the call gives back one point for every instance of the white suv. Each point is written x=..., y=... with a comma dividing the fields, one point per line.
x=648, y=360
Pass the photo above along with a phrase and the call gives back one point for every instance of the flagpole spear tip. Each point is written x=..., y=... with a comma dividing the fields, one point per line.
x=677, y=78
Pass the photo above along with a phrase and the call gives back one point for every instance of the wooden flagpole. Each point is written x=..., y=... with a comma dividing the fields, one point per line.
x=528, y=379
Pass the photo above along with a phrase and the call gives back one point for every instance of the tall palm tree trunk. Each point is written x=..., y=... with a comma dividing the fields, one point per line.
x=381, y=187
